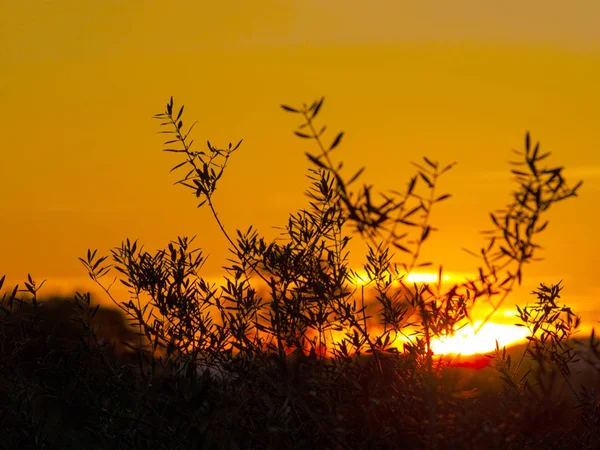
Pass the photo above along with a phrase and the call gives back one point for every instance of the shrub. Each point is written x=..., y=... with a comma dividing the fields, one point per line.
x=303, y=362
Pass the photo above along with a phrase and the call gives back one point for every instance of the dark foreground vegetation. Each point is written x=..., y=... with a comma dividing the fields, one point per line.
x=202, y=366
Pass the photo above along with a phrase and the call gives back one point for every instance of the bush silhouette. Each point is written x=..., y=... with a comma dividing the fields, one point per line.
x=55, y=321
x=287, y=352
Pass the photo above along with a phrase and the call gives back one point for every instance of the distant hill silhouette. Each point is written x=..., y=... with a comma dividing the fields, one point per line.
x=28, y=332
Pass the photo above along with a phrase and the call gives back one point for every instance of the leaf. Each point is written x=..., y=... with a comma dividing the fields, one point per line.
x=317, y=107
x=411, y=185
x=400, y=247
x=425, y=233
x=407, y=223
x=189, y=130
x=492, y=242
x=428, y=161
x=443, y=197
x=535, y=152
x=527, y=141
x=542, y=227
x=289, y=109
x=178, y=166
x=316, y=161
x=470, y=252
x=355, y=176
x=426, y=179
x=302, y=135
x=411, y=212
x=493, y=217
x=179, y=113
x=237, y=145
x=336, y=141
x=448, y=167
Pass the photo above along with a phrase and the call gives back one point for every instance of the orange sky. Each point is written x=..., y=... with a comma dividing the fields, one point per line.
x=82, y=165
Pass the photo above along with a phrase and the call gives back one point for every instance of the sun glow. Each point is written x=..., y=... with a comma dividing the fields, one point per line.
x=466, y=342
x=426, y=278
x=362, y=278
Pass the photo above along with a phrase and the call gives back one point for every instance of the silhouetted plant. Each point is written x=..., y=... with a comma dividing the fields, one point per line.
x=287, y=353
x=310, y=287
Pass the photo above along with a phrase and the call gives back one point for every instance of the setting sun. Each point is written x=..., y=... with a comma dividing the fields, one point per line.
x=362, y=278
x=467, y=342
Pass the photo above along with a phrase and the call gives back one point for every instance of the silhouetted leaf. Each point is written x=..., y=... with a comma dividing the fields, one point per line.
x=411, y=185
x=179, y=113
x=407, y=223
x=418, y=166
x=317, y=107
x=315, y=160
x=469, y=252
x=432, y=164
x=448, y=167
x=535, y=152
x=426, y=179
x=356, y=175
x=492, y=242
x=178, y=166
x=237, y=145
x=289, y=108
x=493, y=217
x=336, y=141
x=425, y=233
x=190, y=130
x=302, y=135
x=412, y=211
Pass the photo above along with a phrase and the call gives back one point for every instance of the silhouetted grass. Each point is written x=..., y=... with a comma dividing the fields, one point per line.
x=303, y=364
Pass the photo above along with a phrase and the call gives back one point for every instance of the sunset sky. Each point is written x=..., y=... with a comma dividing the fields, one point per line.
x=82, y=165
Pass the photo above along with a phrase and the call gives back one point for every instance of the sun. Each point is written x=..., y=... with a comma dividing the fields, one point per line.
x=467, y=342
x=361, y=278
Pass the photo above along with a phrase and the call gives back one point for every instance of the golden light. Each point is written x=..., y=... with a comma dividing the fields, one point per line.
x=425, y=278
x=466, y=342
x=510, y=313
x=361, y=278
